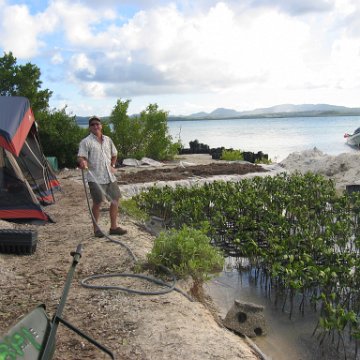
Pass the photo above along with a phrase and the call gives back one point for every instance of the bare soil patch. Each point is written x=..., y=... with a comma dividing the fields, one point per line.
x=180, y=173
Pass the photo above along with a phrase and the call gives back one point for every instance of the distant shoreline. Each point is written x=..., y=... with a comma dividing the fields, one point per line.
x=273, y=112
x=83, y=120
x=265, y=116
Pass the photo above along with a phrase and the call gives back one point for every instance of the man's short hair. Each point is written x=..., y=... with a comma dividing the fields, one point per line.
x=94, y=118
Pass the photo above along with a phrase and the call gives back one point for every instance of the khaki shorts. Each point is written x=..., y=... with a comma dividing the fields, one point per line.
x=98, y=191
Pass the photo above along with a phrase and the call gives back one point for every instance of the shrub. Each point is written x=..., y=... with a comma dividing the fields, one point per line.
x=263, y=160
x=232, y=155
x=131, y=208
x=186, y=252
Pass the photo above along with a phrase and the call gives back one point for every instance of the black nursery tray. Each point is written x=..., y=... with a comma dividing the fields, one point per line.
x=22, y=242
x=352, y=188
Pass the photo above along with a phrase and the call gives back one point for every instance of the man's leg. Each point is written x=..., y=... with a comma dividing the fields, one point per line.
x=115, y=229
x=114, y=197
x=97, y=199
x=96, y=212
x=114, y=209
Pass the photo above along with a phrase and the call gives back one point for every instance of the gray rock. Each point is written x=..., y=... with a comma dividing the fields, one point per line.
x=247, y=319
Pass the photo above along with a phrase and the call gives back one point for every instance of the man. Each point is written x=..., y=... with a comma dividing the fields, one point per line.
x=98, y=154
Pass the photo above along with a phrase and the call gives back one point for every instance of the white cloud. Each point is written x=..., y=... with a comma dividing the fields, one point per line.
x=216, y=50
x=297, y=7
x=57, y=59
x=81, y=25
x=80, y=63
x=18, y=31
x=93, y=89
x=344, y=68
x=250, y=52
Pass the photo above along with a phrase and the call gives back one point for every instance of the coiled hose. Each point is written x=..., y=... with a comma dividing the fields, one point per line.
x=169, y=286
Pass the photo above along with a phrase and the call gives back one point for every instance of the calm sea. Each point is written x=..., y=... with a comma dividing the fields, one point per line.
x=276, y=137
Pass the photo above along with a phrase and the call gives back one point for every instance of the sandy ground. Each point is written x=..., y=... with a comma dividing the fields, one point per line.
x=133, y=326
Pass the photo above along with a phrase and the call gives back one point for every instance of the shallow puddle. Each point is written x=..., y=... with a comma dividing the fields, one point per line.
x=286, y=338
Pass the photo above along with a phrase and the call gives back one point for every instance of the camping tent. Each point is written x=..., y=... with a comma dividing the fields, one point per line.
x=26, y=180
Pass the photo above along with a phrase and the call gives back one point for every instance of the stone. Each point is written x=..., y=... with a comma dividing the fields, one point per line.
x=155, y=225
x=246, y=319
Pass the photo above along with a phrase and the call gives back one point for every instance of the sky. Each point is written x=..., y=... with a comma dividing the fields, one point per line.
x=187, y=56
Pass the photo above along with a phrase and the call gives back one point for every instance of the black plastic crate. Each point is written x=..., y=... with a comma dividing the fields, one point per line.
x=22, y=242
x=352, y=188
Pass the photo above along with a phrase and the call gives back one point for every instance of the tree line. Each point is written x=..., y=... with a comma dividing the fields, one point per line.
x=134, y=136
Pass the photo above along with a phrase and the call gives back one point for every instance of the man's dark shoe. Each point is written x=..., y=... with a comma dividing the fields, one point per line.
x=98, y=233
x=117, y=231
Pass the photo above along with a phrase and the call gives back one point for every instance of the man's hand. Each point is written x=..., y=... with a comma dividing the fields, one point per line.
x=83, y=164
x=112, y=169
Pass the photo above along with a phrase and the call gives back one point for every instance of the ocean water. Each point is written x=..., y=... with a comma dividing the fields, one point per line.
x=283, y=336
x=277, y=137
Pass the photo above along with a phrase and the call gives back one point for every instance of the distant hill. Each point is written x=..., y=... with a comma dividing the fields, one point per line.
x=199, y=115
x=290, y=108
x=277, y=111
x=284, y=110
x=221, y=112
x=84, y=120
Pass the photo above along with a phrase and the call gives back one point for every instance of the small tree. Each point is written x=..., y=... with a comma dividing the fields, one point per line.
x=187, y=252
x=23, y=80
x=144, y=135
x=126, y=131
x=60, y=136
x=158, y=143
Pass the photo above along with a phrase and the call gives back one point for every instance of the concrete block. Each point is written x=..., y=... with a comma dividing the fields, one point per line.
x=246, y=319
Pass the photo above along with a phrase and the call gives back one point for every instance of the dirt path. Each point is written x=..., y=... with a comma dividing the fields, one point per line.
x=132, y=326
